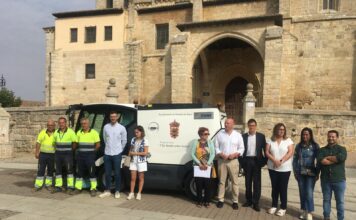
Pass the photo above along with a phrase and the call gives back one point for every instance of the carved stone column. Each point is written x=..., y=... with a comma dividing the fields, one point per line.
x=112, y=94
x=249, y=105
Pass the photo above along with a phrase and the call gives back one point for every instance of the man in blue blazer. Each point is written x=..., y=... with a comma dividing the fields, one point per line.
x=252, y=160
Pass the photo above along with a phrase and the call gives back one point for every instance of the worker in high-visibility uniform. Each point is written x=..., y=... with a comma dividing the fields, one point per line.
x=65, y=139
x=88, y=142
x=45, y=149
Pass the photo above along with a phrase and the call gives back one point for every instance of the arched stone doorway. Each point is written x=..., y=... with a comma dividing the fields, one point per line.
x=234, y=93
x=221, y=72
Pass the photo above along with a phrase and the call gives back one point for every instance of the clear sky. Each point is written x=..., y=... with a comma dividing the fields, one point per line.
x=22, y=41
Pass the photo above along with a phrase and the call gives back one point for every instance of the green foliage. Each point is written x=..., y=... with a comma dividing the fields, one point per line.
x=8, y=98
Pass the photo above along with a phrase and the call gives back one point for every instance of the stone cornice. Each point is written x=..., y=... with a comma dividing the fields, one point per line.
x=74, y=14
x=189, y=25
x=223, y=2
x=49, y=29
x=262, y=110
x=183, y=5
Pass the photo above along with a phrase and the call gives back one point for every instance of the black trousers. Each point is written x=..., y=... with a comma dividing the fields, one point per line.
x=203, y=184
x=86, y=164
x=64, y=160
x=252, y=180
x=45, y=160
x=279, y=181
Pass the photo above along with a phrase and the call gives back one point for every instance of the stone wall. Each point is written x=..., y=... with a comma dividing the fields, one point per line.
x=69, y=85
x=26, y=123
x=319, y=121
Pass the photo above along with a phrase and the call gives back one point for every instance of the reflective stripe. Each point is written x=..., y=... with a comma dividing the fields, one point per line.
x=59, y=176
x=40, y=178
x=86, y=150
x=63, y=149
x=70, y=176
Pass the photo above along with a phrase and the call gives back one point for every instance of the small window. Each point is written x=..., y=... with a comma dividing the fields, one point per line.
x=73, y=35
x=90, y=34
x=162, y=35
x=108, y=33
x=90, y=71
x=330, y=5
x=109, y=4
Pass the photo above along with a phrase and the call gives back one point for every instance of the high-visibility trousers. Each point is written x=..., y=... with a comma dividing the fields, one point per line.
x=64, y=159
x=85, y=165
x=45, y=160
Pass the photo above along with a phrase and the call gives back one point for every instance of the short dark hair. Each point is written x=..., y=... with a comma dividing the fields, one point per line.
x=251, y=121
x=275, y=131
x=141, y=129
x=112, y=112
x=335, y=132
x=62, y=118
x=201, y=130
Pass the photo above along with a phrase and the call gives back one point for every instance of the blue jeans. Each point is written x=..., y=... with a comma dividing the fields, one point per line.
x=110, y=163
x=306, y=190
x=339, y=191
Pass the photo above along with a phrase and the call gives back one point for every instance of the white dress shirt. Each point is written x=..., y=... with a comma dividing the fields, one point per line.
x=251, y=145
x=115, y=138
x=229, y=143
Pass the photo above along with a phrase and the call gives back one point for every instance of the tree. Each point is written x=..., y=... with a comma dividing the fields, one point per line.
x=8, y=98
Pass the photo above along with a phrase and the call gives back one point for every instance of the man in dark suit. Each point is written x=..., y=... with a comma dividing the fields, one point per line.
x=252, y=160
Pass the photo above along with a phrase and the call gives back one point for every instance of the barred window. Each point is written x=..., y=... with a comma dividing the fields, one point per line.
x=108, y=33
x=90, y=71
x=109, y=4
x=330, y=5
x=90, y=34
x=162, y=35
x=73, y=35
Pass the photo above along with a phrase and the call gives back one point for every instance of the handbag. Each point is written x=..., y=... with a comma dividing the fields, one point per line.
x=127, y=161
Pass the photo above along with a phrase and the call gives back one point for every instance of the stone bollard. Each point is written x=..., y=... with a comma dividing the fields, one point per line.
x=249, y=104
x=6, y=149
x=112, y=94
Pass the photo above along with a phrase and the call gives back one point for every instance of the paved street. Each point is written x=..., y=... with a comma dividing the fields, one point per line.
x=17, y=201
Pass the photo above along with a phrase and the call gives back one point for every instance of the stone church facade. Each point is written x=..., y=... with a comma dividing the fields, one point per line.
x=297, y=54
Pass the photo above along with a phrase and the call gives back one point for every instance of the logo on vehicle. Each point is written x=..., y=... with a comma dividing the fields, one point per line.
x=174, y=129
x=153, y=127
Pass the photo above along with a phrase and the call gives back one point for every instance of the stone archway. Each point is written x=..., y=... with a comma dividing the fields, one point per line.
x=235, y=91
x=226, y=66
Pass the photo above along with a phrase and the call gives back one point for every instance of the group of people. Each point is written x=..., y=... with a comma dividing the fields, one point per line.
x=55, y=149
x=251, y=151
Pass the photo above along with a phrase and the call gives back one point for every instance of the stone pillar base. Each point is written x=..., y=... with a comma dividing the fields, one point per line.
x=6, y=151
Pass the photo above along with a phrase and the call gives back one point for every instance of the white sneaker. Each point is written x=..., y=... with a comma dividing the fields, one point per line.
x=309, y=216
x=281, y=212
x=117, y=195
x=272, y=210
x=302, y=214
x=138, y=196
x=105, y=194
x=131, y=196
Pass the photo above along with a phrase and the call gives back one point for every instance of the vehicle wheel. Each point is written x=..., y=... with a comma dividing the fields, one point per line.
x=189, y=186
x=102, y=180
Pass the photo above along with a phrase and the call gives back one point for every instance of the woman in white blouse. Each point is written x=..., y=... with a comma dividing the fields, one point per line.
x=279, y=151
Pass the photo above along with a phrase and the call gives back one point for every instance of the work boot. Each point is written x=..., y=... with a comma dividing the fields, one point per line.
x=56, y=190
x=36, y=189
x=93, y=193
x=70, y=191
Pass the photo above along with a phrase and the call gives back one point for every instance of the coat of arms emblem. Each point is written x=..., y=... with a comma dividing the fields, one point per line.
x=174, y=129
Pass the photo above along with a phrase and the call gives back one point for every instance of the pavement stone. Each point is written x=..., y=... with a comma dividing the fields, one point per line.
x=19, y=202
